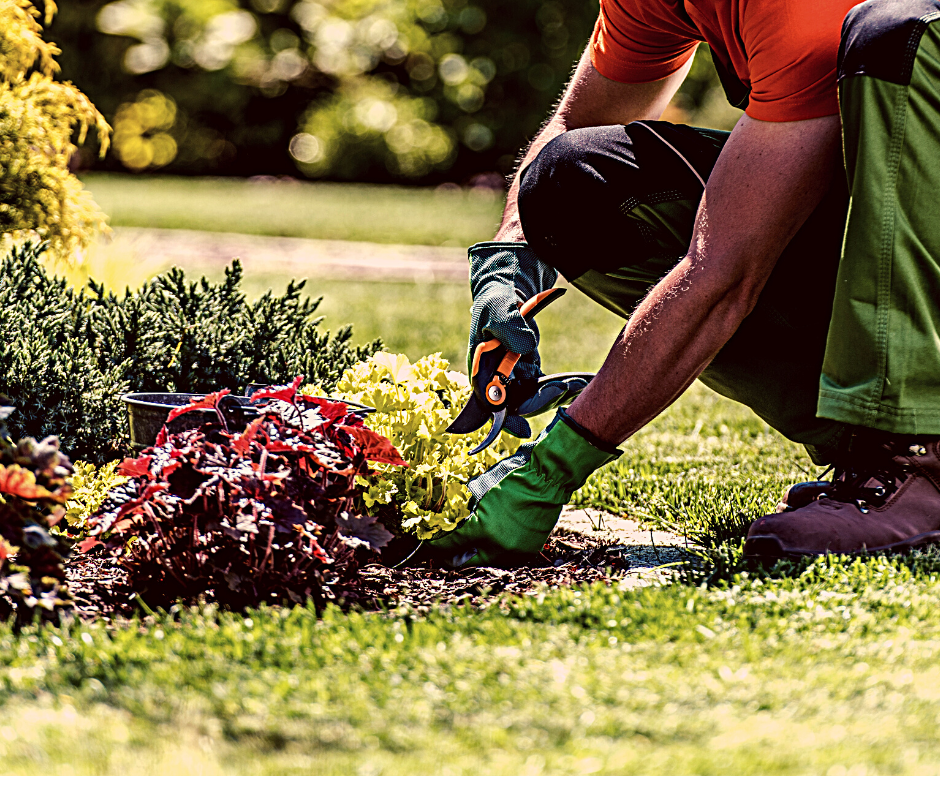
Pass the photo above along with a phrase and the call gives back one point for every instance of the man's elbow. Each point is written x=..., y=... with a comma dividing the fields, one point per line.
x=735, y=287
x=735, y=294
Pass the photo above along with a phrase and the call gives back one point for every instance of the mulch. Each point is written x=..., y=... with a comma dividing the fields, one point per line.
x=100, y=588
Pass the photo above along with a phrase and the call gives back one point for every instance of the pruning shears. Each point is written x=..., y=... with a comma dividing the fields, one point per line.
x=497, y=394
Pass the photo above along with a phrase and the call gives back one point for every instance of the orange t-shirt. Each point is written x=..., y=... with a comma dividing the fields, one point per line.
x=783, y=50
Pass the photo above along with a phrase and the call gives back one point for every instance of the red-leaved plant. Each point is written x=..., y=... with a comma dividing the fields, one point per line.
x=34, y=485
x=261, y=515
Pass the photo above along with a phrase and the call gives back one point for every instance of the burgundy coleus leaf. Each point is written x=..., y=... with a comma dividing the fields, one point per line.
x=209, y=402
x=363, y=531
x=285, y=393
x=330, y=410
x=135, y=466
x=150, y=490
x=353, y=420
x=161, y=437
x=287, y=514
x=315, y=548
x=376, y=448
x=280, y=446
x=88, y=544
x=242, y=444
x=322, y=454
x=168, y=469
x=135, y=520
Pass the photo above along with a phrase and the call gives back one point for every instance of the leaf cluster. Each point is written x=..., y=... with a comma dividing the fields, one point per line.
x=41, y=121
x=90, y=488
x=415, y=403
x=34, y=487
x=66, y=355
x=261, y=515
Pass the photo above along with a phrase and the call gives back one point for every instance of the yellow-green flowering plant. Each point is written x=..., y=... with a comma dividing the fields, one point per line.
x=414, y=405
x=90, y=488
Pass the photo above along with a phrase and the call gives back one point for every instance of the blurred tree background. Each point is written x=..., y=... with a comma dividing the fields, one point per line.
x=408, y=91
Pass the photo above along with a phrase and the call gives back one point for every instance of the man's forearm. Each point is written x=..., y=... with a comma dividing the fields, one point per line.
x=590, y=100
x=671, y=337
x=768, y=179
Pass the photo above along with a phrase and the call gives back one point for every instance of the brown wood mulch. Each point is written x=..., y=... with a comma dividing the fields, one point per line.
x=100, y=588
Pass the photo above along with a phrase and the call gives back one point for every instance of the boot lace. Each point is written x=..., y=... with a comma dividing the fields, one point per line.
x=870, y=478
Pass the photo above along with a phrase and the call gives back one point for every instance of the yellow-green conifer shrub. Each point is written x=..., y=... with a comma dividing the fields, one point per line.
x=40, y=122
x=415, y=403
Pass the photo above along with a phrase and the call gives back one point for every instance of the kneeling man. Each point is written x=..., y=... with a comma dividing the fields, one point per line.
x=792, y=264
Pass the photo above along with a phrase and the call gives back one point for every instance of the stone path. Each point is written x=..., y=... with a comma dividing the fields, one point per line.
x=649, y=551
x=197, y=251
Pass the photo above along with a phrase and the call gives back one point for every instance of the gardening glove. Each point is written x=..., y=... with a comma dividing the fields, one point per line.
x=502, y=276
x=520, y=498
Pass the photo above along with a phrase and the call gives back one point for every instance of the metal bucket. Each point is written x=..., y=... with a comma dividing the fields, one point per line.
x=147, y=413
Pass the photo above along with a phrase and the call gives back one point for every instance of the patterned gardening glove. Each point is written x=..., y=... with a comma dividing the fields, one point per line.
x=518, y=500
x=503, y=275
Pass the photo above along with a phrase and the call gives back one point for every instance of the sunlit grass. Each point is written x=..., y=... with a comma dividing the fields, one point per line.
x=825, y=669
x=834, y=671
x=704, y=459
x=350, y=212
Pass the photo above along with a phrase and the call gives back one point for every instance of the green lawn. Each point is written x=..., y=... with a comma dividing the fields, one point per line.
x=833, y=672
x=349, y=212
x=831, y=668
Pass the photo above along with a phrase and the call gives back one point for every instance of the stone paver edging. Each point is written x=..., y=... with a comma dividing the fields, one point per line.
x=650, y=552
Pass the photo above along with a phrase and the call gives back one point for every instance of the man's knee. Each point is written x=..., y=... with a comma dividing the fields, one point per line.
x=881, y=37
x=565, y=194
x=577, y=199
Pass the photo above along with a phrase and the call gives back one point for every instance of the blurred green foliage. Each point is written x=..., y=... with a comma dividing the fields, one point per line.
x=371, y=90
x=41, y=119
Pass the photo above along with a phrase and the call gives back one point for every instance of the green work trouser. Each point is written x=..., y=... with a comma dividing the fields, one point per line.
x=846, y=330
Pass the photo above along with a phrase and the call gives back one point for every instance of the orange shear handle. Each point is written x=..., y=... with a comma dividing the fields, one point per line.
x=496, y=389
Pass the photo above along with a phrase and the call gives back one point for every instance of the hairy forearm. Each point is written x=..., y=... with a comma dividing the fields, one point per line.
x=589, y=100
x=671, y=337
x=767, y=181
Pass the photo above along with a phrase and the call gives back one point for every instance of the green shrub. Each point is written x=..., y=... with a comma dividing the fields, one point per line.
x=66, y=355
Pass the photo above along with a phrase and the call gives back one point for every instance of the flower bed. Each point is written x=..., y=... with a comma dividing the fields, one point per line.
x=415, y=403
x=266, y=514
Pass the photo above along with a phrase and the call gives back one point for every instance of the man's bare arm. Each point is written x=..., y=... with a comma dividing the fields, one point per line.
x=591, y=100
x=767, y=180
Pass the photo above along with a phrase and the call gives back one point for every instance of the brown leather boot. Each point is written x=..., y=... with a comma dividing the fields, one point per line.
x=885, y=497
x=799, y=495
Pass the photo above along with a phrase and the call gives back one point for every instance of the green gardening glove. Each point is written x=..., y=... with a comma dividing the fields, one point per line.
x=503, y=275
x=521, y=497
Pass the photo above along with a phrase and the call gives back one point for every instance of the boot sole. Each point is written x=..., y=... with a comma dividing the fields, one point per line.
x=770, y=547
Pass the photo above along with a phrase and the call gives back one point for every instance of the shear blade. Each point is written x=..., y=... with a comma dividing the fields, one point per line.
x=498, y=418
x=470, y=419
